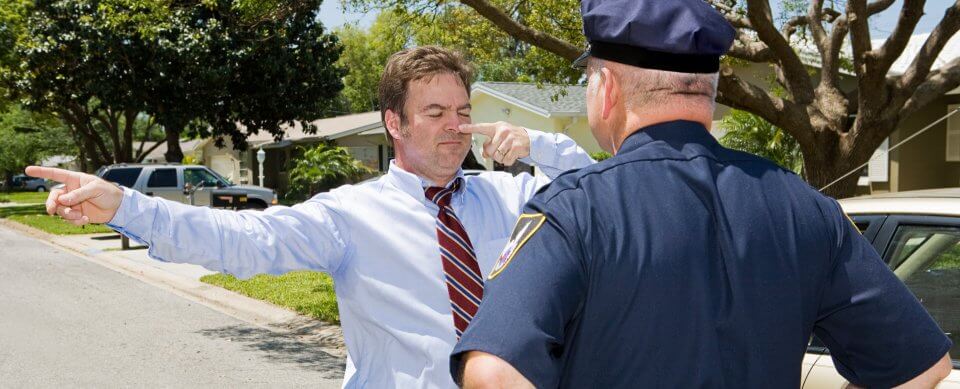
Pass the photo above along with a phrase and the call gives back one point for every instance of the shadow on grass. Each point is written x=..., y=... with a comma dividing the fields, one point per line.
x=282, y=348
x=38, y=209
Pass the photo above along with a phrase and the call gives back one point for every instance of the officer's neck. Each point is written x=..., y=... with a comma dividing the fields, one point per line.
x=638, y=119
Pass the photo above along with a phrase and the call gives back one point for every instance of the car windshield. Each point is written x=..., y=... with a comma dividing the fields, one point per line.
x=222, y=178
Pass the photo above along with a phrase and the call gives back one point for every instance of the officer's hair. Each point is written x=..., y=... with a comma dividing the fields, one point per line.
x=406, y=66
x=644, y=87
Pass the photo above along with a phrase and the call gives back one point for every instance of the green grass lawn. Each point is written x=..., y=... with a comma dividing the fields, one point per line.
x=24, y=197
x=36, y=216
x=309, y=293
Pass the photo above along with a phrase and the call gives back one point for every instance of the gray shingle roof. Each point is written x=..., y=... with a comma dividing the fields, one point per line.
x=548, y=100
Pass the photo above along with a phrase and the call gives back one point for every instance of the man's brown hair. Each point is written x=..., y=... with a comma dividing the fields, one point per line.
x=415, y=64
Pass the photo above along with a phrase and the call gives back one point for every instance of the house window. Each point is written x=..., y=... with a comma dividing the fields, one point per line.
x=953, y=135
x=878, y=170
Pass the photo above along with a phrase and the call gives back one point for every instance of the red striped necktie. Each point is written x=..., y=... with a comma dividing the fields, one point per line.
x=460, y=267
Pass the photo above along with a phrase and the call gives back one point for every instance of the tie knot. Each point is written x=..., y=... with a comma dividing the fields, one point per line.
x=440, y=195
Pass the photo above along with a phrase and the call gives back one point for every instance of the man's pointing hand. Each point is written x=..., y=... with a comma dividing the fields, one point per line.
x=84, y=198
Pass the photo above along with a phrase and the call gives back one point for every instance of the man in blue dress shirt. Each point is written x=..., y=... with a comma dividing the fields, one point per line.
x=679, y=263
x=406, y=251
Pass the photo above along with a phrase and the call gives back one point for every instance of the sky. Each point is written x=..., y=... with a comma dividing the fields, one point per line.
x=332, y=15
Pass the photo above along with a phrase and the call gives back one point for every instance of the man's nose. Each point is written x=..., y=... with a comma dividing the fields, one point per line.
x=452, y=123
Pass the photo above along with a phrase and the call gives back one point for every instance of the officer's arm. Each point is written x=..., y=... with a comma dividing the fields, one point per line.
x=876, y=330
x=482, y=370
x=533, y=293
x=245, y=243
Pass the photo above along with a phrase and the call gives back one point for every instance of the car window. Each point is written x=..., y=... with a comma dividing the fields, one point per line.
x=124, y=176
x=927, y=259
x=197, y=176
x=163, y=178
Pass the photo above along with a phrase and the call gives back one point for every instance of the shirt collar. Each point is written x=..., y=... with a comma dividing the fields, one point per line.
x=674, y=133
x=413, y=184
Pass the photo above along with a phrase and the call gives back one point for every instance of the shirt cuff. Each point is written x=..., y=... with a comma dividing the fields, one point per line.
x=541, y=144
x=134, y=217
x=121, y=217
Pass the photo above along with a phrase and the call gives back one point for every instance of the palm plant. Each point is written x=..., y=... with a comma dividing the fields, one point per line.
x=751, y=133
x=322, y=167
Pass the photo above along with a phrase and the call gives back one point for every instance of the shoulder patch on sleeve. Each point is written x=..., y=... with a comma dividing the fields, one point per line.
x=527, y=225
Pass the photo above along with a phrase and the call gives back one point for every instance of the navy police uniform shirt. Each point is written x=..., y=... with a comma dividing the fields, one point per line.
x=679, y=263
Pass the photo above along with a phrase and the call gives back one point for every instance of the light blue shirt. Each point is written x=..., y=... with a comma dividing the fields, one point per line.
x=377, y=240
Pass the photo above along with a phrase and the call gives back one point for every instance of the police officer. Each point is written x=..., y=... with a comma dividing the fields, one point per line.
x=679, y=263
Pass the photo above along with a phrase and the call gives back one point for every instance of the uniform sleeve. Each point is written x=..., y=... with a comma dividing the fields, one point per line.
x=527, y=305
x=877, y=332
x=308, y=236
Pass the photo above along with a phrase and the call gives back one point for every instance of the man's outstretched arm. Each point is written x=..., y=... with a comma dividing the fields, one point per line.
x=482, y=370
x=244, y=244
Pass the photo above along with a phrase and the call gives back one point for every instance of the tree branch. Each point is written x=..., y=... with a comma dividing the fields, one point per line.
x=798, y=81
x=733, y=16
x=737, y=93
x=940, y=82
x=920, y=67
x=747, y=48
x=532, y=36
x=885, y=55
x=148, y=151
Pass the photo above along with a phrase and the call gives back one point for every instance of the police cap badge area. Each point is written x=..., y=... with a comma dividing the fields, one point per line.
x=526, y=226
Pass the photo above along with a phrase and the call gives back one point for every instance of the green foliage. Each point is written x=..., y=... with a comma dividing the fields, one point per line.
x=309, y=293
x=322, y=167
x=751, y=133
x=600, y=156
x=27, y=137
x=364, y=56
x=224, y=71
x=496, y=55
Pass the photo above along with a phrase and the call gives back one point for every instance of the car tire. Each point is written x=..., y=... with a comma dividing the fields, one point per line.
x=41, y=189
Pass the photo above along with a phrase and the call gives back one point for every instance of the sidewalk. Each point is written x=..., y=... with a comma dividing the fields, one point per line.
x=184, y=280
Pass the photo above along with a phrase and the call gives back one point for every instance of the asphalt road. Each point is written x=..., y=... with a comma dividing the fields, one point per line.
x=67, y=322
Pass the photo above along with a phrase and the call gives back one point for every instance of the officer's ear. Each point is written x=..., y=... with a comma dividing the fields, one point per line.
x=612, y=95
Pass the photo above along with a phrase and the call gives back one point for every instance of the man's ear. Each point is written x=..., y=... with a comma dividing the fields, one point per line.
x=611, y=92
x=392, y=121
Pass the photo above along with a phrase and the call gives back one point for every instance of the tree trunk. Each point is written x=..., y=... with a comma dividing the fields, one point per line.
x=173, y=154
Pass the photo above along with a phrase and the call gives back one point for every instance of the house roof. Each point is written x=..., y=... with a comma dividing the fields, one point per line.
x=548, y=100
x=328, y=128
x=186, y=146
x=950, y=52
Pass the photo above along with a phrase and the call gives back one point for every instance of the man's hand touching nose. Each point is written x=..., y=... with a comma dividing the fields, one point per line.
x=505, y=142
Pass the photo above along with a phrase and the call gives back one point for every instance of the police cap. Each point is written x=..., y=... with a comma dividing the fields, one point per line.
x=687, y=36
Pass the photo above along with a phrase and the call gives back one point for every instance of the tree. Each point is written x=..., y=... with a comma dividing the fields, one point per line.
x=322, y=167
x=26, y=138
x=365, y=54
x=751, y=133
x=497, y=55
x=196, y=65
x=836, y=129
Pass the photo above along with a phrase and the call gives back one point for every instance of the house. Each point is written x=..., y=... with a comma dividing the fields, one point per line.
x=361, y=134
x=931, y=159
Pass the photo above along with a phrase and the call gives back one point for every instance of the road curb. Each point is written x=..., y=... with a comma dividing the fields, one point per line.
x=257, y=312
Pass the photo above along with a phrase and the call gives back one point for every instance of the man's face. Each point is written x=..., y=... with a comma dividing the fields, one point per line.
x=435, y=108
